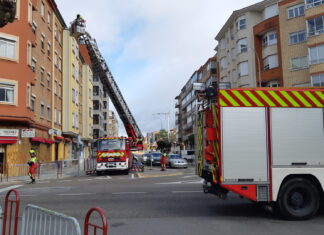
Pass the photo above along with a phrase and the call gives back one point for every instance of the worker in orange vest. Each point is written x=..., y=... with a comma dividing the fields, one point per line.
x=32, y=165
x=163, y=161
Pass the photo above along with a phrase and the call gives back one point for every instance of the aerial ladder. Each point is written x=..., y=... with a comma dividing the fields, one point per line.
x=7, y=12
x=101, y=69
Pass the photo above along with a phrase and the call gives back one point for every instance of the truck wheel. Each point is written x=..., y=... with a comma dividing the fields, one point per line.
x=99, y=173
x=126, y=172
x=298, y=199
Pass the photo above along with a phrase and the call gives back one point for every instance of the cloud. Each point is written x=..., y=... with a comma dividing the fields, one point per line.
x=153, y=47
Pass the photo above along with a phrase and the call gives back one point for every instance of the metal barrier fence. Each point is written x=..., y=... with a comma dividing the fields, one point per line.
x=10, y=223
x=37, y=220
x=95, y=227
x=90, y=165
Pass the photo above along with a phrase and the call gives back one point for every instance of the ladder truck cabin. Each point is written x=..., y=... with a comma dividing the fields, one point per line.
x=264, y=144
x=112, y=153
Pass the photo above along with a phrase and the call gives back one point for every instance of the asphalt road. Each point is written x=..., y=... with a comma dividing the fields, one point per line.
x=159, y=204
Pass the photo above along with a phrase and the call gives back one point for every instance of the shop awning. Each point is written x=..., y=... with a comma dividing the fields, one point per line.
x=8, y=140
x=42, y=140
x=59, y=137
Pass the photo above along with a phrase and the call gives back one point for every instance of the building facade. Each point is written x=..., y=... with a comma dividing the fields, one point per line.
x=113, y=124
x=26, y=83
x=301, y=27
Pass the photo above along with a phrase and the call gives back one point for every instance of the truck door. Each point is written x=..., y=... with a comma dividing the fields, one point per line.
x=244, y=145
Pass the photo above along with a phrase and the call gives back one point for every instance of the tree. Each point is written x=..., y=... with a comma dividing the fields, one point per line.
x=163, y=145
x=162, y=140
x=162, y=135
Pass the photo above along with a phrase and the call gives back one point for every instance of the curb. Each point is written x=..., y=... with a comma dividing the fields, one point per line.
x=139, y=175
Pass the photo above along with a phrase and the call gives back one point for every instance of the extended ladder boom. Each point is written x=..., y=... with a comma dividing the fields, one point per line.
x=101, y=69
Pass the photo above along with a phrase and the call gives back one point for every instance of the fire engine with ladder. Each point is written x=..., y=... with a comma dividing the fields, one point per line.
x=264, y=144
x=112, y=153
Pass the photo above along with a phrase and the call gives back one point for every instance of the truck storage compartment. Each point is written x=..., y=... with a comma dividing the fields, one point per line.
x=244, y=145
x=297, y=136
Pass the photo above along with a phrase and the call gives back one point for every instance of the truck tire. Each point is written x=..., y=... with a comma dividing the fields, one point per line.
x=126, y=172
x=298, y=199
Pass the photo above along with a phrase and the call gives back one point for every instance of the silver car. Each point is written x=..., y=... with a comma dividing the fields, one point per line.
x=175, y=161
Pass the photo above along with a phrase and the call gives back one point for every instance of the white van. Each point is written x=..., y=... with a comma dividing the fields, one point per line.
x=189, y=155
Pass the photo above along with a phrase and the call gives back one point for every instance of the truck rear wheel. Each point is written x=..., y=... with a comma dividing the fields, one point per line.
x=298, y=199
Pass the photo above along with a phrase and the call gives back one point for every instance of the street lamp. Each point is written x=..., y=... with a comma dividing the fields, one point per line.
x=259, y=65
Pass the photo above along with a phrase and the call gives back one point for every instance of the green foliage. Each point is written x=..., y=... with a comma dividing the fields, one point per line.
x=191, y=140
x=163, y=145
x=162, y=135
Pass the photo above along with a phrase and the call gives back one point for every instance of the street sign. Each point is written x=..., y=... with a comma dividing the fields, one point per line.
x=28, y=133
x=9, y=132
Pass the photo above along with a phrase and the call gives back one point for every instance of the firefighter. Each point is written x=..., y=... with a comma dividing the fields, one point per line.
x=32, y=165
x=163, y=161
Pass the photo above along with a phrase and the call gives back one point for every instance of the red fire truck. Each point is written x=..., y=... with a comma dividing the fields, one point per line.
x=266, y=145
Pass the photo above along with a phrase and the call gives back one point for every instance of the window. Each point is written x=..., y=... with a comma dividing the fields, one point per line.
x=105, y=104
x=96, y=119
x=270, y=62
x=42, y=9
x=30, y=12
x=55, y=115
x=270, y=11
x=33, y=64
x=90, y=112
x=240, y=23
x=73, y=119
x=29, y=53
x=60, y=64
x=73, y=70
x=48, y=80
x=55, y=31
x=48, y=112
x=7, y=92
x=299, y=63
x=222, y=44
x=55, y=87
x=95, y=91
x=241, y=45
x=96, y=105
x=317, y=80
x=223, y=63
x=243, y=69
x=42, y=110
x=76, y=121
x=49, y=18
x=42, y=72
x=43, y=41
x=297, y=37
x=315, y=26
x=59, y=117
x=316, y=54
x=32, y=102
x=59, y=92
x=73, y=95
x=48, y=49
x=8, y=48
x=295, y=11
x=28, y=94
x=269, y=39
x=313, y=3
x=76, y=97
x=55, y=58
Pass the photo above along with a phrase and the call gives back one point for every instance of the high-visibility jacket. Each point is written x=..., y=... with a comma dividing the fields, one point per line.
x=163, y=159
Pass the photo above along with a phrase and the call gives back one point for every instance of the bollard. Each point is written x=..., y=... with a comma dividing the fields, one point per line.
x=87, y=224
x=5, y=214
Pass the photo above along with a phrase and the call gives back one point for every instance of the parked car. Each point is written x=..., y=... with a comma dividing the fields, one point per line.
x=155, y=158
x=189, y=155
x=144, y=158
x=176, y=161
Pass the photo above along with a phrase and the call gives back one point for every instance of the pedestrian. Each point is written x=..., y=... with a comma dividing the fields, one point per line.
x=163, y=161
x=32, y=163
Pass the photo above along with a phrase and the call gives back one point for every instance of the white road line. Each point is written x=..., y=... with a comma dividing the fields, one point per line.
x=189, y=176
x=184, y=182
x=103, y=178
x=74, y=194
x=61, y=181
x=9, y=188
x=178, y=182
x=85, y=179
x=187, y=191
x=117, y=193
x=43, y=182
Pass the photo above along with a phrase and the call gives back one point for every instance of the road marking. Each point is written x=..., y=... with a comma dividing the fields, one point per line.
x=43, y=182
x=129, y=193
x=103, y=177
x=158, y=175
x=189, y=176
x=186, y=192
x=178, y=182
x=132, y=176
x=74, y=194
x=184, y=182
x=85, y=179
x=61, y=181
x=9, y=188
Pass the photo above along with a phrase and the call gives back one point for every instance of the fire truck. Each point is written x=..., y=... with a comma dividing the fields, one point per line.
x=264, y=144
x=113, y=153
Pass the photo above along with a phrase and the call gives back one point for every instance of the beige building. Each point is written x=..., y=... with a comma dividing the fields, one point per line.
x=301, y=27
x=112, y=124
x=239, y=60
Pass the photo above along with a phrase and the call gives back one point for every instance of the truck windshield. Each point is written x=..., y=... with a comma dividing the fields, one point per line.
x=111, y=144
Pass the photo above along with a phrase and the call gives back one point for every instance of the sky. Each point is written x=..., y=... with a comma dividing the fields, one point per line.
x=152, y=47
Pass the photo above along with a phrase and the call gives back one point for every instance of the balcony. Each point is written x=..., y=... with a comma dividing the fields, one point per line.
x=177, y=105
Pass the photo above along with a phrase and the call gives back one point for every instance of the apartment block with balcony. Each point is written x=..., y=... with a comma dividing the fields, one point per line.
x=243, y=47
x=100, y=109
x=302, y=40
x=26, y=82
x=186, y=101
x=112, y=124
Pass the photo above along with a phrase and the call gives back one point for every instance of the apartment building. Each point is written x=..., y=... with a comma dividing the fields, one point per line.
x=186, y=101
x=248, y=50
x=100, y=109
x=112, y=124
x=301, y=27
x=26, y=82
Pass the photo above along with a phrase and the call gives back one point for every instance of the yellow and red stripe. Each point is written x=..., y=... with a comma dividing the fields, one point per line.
x=295, y=98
